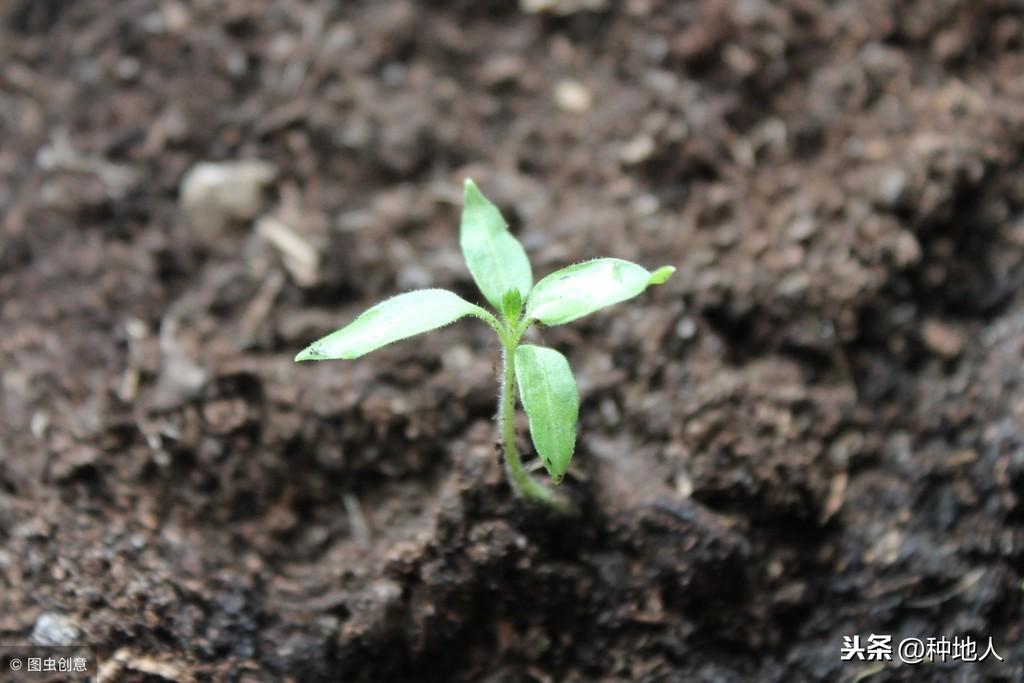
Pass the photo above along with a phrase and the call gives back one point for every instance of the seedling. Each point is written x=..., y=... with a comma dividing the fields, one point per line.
x=502, y=271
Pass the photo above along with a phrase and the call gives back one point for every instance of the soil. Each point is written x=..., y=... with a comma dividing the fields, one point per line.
x=813, y=431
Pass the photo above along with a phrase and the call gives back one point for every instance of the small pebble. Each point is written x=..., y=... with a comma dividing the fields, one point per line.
x=942, y=338
x=686, y=328
x=55, y=629
x=892, y=187
x=908, y=249
x=213, y=195
x=637, y=150
x=572, y=96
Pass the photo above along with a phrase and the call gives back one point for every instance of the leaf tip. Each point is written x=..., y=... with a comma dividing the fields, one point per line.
x=470, y=192
x=311, y=352
x=661, y=275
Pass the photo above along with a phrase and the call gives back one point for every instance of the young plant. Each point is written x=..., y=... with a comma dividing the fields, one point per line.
x=501, y=270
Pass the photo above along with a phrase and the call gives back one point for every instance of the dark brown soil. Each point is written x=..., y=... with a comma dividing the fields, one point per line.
x=816, y=429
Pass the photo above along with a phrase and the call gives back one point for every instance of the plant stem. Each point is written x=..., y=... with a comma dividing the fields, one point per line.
x=520, y=480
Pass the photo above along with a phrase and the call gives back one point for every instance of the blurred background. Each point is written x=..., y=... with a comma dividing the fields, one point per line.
x=813, y=431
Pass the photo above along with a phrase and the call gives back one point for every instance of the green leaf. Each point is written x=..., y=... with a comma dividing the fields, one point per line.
x=579, y=290
x=390, y=321
x=512, y=306
x=495, y=258
x=548, y=391
x=661, y=275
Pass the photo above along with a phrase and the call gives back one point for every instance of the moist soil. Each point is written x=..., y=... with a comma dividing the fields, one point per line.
x=814, y=430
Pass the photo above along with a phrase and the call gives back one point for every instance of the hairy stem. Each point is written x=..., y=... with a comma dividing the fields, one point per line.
x=520, y=480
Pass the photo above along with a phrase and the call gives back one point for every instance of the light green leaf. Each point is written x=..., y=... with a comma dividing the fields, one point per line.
x=579, y=290
x=548, y=391
x=512, y=306
x=495, y=258
x=390, y=321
